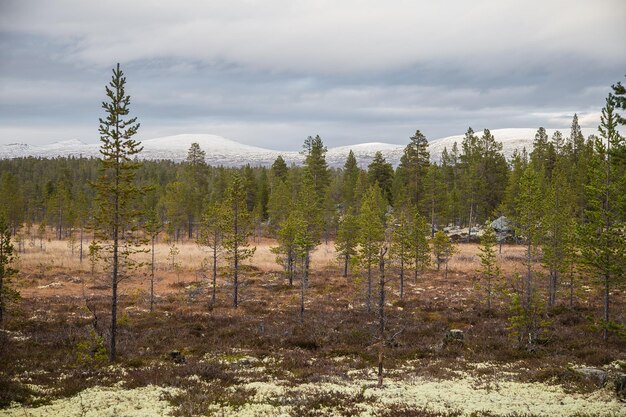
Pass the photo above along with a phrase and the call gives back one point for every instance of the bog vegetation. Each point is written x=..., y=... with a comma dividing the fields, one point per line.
x=390, y=292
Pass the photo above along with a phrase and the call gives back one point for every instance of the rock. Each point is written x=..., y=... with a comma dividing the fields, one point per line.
x=177, y=357
x=594, y=374
x=455, y=335
x=620, y=385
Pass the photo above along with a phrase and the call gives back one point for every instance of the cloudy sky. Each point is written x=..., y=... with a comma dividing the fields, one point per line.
x=270, y=73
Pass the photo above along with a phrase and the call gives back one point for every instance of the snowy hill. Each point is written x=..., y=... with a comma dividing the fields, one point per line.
x=511, y=139
x=222, y=151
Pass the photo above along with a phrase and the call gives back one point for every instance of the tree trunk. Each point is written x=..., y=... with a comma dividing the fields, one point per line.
x=307, y=260
x=381, y=357
x=236, y=259
x=114, y=280
x=369, y=285
x=571, y=287
x=81, y=243
x=152, y=277
x=290, y=266
x=402, y=274
x=214, y=272
x=346, y=259
x=381, y=315
x=528, y=276
x=2, y=289
x=605, y=333
x=302, y=287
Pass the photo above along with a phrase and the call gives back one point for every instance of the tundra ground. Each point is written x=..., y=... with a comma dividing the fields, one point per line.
x=262, y=359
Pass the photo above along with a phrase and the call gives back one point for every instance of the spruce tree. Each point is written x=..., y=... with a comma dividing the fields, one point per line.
x=193, y=178
x=279, y=169
x=350, y=179
x=380, y=172
x=116, y=190
x=315, y=161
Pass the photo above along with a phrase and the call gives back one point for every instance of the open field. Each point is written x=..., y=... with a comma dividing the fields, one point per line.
x=261, y=359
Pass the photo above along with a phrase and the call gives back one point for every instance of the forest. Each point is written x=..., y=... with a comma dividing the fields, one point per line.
x=362, y=265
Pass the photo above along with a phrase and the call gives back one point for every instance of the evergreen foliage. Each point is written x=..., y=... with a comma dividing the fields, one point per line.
x=371, y=233
x=236, y=227
x=443, y=249
x=6, y=269
x=347, y=239
x=489, y=267
x=116, y=215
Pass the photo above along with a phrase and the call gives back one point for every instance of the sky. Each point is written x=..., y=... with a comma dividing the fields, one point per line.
x=270, y=73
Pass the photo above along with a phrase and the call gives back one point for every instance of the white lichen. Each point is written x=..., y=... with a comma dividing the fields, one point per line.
x=103, y=402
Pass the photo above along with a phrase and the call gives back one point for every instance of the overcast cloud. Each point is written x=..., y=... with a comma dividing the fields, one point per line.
x=270, y=73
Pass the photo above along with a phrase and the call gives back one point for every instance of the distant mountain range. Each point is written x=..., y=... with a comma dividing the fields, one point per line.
x=222, y=151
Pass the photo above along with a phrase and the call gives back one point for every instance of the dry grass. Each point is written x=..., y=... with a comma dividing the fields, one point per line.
x=57, y=262
x=46, y=331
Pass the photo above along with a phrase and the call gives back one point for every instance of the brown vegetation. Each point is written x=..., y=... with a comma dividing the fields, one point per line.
x=55, y=334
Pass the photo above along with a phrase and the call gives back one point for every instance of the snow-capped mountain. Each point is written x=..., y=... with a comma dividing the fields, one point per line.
x=222, y=151
x=511, y=139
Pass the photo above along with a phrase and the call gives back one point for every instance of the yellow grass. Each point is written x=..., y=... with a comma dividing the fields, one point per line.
x=56, y=264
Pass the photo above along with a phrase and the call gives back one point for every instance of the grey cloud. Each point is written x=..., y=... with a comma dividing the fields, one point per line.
x=271, y=73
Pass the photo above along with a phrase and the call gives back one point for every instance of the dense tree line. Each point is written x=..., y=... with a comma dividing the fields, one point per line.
x=566, y=199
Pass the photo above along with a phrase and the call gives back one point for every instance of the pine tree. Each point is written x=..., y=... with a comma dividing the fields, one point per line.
x=527, y=222
x=153, y=227
x=237, y=228
x=312, y=219
x=211, y=235
x=434, y=196
x=116, y=191
x=347, y=239
x=603, y=244
x=178, y=208
x=372, y=233
x=279, y=204
x=6, y=260
x=557, y=230
x=401, y=240
x=490, y=270
x=304, y=242
x=419, y=243
x=443, y=249
x=286, y=249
